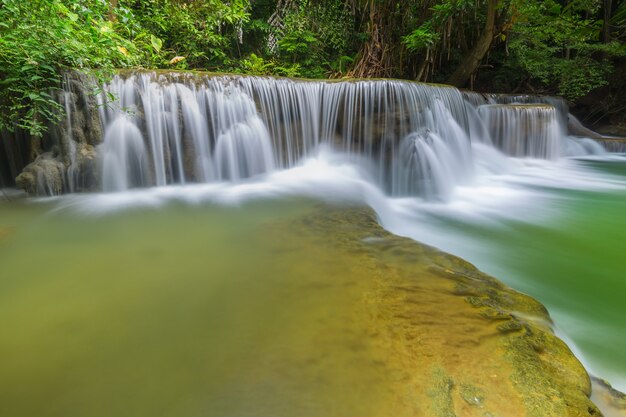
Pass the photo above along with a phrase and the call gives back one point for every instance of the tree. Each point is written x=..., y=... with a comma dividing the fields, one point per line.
x=39, y=39
x=470, y=62
x=376, y=54
x=560, y=47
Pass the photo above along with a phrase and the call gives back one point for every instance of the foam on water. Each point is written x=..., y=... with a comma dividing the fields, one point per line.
x=504, y=188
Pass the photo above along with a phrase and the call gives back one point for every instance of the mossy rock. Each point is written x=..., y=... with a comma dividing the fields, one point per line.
x=44, y=176
x=465, y=344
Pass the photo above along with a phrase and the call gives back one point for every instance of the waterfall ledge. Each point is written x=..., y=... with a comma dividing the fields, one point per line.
x=146, y=129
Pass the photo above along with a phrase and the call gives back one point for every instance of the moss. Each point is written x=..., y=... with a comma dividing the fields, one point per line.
x=540, y=359
x=464, y=325
x=44, y=176
x=472, y=395
x=440, y=393
x=510, y=326
x=173, y=73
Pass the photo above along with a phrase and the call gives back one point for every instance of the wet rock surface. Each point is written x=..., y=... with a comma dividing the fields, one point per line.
x=44, y=176
x=459, y=342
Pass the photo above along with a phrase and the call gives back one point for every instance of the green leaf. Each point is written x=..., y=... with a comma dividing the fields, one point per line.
x=156, y=43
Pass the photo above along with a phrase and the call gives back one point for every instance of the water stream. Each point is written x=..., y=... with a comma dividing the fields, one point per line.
x=192, y=171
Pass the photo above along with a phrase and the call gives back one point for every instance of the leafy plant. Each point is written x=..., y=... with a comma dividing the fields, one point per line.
x=40, y=39
x=558, y=47
x=420, y=38
x=256, y=65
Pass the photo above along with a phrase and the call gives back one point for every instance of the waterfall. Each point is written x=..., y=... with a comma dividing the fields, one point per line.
x=559, y=103
x=72, y=169
x=149, y=129
x=524, y=130
x=228, y=128
x=573, y=146
x=614, y=145
x=124, y=159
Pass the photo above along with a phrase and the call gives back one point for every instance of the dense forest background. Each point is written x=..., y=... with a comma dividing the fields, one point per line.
x=572, y=48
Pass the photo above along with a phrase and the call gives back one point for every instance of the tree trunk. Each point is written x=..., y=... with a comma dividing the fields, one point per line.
x=606, y=28
x=277, y=25
x=112, y=7
x=469, y=64
x=375, y=56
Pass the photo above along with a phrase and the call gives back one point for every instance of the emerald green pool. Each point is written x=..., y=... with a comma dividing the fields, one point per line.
x=573, y=260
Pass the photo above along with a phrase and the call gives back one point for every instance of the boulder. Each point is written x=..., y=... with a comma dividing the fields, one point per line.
x=44, y=176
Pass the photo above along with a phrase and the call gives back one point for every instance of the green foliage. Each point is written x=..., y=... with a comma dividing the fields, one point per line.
x=39, y=39
x=201, y=31
x=558, y=47
x=341, y=64
x=314, y=36
x=421, y=38
x=256, y=65
x=298, y=43
x=554, y=46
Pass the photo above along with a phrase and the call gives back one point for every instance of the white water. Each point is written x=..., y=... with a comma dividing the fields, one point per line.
x=420, y=156
x=124, y=156
x=415, y=137
x=522, y=130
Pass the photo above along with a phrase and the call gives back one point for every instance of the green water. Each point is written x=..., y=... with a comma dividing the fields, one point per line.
x=575, y=264
x=179, y=312
x=205, y=310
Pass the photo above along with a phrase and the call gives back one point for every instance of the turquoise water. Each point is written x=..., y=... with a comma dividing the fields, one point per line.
x=578, y=268
x=573, y=260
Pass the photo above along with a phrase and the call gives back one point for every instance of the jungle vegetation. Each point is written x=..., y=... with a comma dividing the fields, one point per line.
x=566, y=47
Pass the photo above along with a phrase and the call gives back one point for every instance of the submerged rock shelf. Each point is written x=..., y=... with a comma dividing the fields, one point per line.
x=310, y=310
x=460, y=341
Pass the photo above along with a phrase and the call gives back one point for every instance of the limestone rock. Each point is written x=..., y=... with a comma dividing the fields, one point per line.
x=44, y=176
x=457, y=341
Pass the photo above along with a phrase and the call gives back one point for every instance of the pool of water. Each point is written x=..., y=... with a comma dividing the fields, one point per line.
x=179, y=300
x=184, y=310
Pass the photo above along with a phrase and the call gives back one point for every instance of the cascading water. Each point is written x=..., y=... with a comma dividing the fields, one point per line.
x=232, y=128
x=360, y=141
x=72, y=169
x=124, y=158
x=414, y=139
x=616, y=146
x=582, y=147
x=524, y=130
x=423, y=167
x=191, y=133
x=560, y=104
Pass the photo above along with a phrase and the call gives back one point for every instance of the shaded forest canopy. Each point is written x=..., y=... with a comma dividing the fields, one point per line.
x=573, y=48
